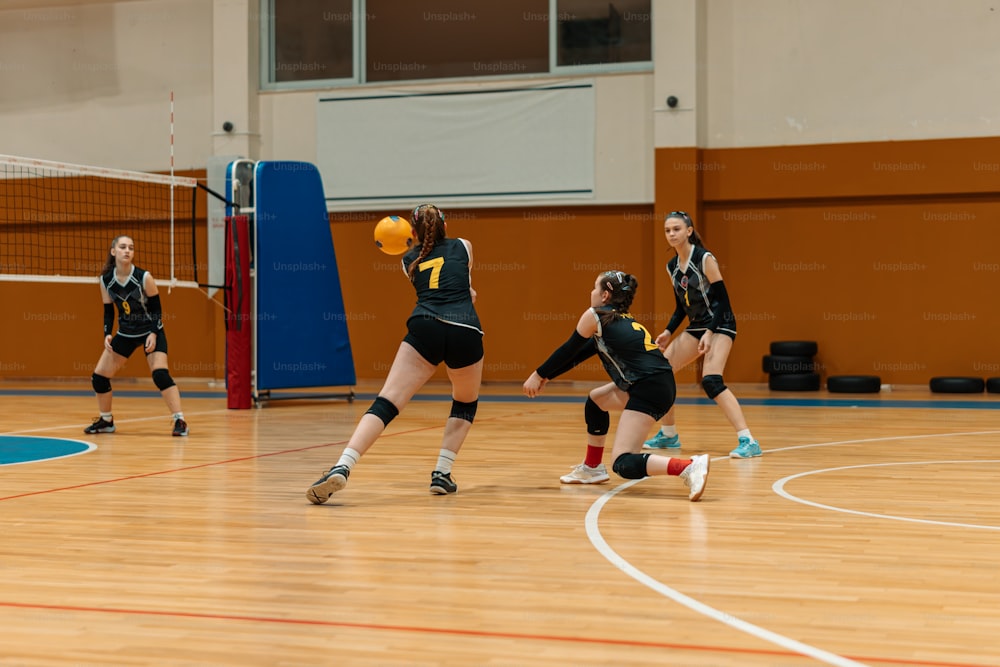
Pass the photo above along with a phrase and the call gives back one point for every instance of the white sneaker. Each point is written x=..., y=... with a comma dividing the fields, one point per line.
x=695, y=475
x=584, y=474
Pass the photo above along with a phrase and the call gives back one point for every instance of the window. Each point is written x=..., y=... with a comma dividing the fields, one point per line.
x=311, y=40
x=406, y=40
x=331, y=42
x=598, y=32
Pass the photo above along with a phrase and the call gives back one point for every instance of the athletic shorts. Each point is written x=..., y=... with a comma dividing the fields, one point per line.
x=698, y=333
x=125, y=345
x=653, y=395
x=438, y=341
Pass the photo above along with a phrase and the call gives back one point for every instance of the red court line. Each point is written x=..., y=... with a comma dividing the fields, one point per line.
x=219, y=463
x=415, y=629
x=457, y=632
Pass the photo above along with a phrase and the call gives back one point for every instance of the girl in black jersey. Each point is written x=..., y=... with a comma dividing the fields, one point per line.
x=443, y=327
x=642, y=387
x=133, y=291
x=701, y=297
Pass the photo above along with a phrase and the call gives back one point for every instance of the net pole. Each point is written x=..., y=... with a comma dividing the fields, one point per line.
x=173, y=275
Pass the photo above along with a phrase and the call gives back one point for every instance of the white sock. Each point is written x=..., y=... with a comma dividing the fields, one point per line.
x=446, y=458
x=348, y=458
x=107, y=416
x=669, y=431
x=745, y=433
x=178, y=415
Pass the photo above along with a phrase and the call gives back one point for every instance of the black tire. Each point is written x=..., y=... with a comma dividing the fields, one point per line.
x=794, y=348
x=854, y=384
x=794, y=382
x=993, y=385
x=957, y=385
x=774, y=364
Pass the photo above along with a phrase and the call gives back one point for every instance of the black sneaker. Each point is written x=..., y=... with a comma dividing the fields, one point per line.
x=442, y=483
x=101, y=426
x=180, y=427
x=333, y=480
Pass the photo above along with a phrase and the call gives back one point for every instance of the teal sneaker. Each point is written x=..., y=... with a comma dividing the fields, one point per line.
x=747, y=449
x=660, y=441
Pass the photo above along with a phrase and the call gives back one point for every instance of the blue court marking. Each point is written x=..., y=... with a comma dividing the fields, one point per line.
x=855, y=403
x=15, y=449
x=988, y=404
x=139, y=393
x=784, y=402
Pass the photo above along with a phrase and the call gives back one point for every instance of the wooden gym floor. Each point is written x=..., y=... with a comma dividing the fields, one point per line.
x=867, y=534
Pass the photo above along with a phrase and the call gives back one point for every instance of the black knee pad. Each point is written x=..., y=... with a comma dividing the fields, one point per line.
x=713, y=385
x=598, y=421
x=383, y=409
x=466, y=411
x=162, y=379
x=101, y=384
x=631, y=466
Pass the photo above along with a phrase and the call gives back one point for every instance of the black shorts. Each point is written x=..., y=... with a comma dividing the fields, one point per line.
x=125, y=346
x=653, y=395
x=438, y=341
x=698, y=333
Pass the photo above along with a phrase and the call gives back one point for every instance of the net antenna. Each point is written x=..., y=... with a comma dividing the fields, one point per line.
x=58, y=221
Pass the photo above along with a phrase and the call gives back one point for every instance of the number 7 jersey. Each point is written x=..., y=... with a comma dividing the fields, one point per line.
x=444, y=285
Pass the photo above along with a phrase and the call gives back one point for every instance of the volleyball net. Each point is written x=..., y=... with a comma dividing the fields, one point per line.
x=57, y=221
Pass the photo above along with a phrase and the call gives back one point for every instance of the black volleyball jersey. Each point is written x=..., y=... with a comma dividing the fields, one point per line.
x=627, y=350
x=443, y=284
x=691, y=288
x=130, y=298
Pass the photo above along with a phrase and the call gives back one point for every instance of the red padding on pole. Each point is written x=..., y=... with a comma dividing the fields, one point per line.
x=238, y=323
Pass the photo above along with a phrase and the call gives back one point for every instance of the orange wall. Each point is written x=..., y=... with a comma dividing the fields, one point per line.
x=533, y=272
x=886, y=254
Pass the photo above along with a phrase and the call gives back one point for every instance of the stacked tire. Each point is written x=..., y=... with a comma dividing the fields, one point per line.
x=791, y=366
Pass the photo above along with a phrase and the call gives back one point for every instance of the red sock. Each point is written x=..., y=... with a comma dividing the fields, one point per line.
x=677, y=466
x=595, y=455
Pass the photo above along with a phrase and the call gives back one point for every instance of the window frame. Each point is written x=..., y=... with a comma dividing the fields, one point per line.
x=359, y=57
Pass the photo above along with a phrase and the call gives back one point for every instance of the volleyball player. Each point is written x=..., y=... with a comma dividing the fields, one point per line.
x=701, y=297
x=140, y=324
x=642, y=387
x=443, y=327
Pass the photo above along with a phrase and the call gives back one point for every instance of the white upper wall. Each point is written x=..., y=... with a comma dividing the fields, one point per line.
x=783, y=72
x=90, y=82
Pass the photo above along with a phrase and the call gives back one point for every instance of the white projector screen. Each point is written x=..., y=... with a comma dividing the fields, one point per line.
x=487, y=145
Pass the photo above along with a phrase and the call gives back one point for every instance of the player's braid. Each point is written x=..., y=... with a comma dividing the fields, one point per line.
x=430, y=229
x=628, y=292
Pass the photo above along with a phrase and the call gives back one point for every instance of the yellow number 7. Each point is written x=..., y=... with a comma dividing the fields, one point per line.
x=435, y=266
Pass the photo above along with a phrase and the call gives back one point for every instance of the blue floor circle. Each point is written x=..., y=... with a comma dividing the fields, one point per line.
x=29, y=448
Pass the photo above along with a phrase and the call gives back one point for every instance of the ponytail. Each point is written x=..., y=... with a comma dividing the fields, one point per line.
x=622, y=287
x=693, y=238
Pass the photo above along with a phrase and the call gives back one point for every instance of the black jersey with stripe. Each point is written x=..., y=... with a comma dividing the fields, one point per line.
x=627, y=351
x=130, y=299
x=443, y=284
x=691, y=287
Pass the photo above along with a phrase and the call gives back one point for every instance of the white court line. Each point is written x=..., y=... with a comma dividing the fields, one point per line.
x=890, y=437
x=594, y=533
x=123, y=421
x=700, y=607
x=779, y=488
